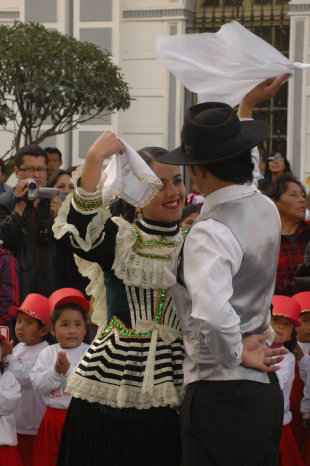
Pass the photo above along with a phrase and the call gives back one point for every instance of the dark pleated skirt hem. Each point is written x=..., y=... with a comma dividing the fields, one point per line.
x=98, y=435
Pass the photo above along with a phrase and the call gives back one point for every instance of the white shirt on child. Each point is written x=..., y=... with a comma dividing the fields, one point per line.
x=286, y=375
x=304, y=362
x=31, y=407
x=10, y=392
x=50, y=384
x=304, y=366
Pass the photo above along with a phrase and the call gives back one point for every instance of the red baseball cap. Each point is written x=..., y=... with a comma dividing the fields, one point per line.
x=68, y=295
x=36, y=306
x=303, y=299
x=284, y=306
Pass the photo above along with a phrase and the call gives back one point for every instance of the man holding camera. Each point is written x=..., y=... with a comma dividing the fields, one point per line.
x=26, y=226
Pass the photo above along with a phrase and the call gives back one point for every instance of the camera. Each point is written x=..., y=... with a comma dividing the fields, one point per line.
x=41, y=193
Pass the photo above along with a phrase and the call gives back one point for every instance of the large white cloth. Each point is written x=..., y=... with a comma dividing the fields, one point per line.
x=50, y=384
x=222, y=66
x=129, y=177
x=30, y=409
x=9, y=397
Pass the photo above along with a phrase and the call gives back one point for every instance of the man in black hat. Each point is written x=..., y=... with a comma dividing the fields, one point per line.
x=232, y=412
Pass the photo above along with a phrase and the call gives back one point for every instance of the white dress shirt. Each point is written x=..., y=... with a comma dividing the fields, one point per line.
x=211, y=250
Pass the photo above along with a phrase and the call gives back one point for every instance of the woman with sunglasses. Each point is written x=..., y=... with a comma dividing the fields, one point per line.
x=276, y=165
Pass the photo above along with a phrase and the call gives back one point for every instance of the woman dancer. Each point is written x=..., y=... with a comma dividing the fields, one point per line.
x=126, y=389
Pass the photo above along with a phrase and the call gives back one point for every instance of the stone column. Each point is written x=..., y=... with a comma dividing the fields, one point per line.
x=298, y=130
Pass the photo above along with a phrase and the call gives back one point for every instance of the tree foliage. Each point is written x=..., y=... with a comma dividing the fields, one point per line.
x=51, y=79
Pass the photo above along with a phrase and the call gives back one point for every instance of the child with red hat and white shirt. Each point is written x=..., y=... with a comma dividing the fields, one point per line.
x=10, y=393
x=302, y=367
x=32, y=325
x=284, y=320
x=54, y=365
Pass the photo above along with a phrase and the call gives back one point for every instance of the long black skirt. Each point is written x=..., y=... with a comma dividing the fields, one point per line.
x=98, y=435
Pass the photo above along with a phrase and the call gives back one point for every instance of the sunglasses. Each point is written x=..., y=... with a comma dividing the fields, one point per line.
x=276, y=159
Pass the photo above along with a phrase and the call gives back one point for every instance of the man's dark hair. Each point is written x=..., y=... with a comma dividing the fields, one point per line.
x=238, y=170
x=2, y=166
x=54, y=150
x=279, y=185
x=30, y=149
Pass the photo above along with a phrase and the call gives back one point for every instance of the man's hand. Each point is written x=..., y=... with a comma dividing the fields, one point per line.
x=20, y=192
x=62, y=364
x=258, y=356
x=264, y=91
x=55, y=205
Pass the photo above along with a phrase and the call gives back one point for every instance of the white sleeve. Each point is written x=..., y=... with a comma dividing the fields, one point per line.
x=304, y=367
x=286, y=372
x=10, y=393
x=255, y=159
x=43, y=376
x=305, y=402
x=21, y=369
x=212, y=256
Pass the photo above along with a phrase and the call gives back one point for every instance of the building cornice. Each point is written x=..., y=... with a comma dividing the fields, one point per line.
x=299, y=7
x=187, y=14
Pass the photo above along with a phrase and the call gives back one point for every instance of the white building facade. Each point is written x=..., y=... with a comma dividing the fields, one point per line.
x=128, y=29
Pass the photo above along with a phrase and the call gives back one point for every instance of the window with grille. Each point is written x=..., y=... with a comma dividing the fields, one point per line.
x=269, y=20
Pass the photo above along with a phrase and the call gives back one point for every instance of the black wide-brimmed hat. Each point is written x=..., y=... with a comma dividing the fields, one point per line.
x=213, y=133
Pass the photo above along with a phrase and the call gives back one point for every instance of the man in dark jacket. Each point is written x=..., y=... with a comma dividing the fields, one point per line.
x=26, y=228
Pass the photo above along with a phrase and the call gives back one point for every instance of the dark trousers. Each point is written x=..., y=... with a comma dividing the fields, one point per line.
x=231, y=423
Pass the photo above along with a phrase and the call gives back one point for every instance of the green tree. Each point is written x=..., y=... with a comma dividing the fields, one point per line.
x=51, y=79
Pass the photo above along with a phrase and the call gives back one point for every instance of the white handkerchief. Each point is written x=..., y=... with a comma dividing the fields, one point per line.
x=129, y=177
x=222, y=66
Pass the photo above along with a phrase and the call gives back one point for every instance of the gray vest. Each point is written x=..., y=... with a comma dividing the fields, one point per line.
x=255, y=224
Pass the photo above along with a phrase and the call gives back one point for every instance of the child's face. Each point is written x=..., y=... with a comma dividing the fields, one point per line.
x=69, y=329
x=189, y=220
x=303, y=331
x=283, y=327
x=27, y=329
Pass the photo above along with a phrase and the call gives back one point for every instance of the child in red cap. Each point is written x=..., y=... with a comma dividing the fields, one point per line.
x=300, y=426
x=284, y=320
x=10, y=393
x=302, y=365
x=54, y=365
x=32, y=326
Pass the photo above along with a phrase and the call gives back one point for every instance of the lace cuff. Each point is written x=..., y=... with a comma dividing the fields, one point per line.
x=94, y=232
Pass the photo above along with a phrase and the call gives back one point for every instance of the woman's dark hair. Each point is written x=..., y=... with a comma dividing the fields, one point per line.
x=287, y=167
x=190, y=209
x=73, y=307
x=54, y=177
x=149, y=155
x=237, y=170
x=291, y=345
x=279, y=185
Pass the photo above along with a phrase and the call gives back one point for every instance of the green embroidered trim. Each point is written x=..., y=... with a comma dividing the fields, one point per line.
x=130, y=332
x=154, y=243
x=86, y=205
